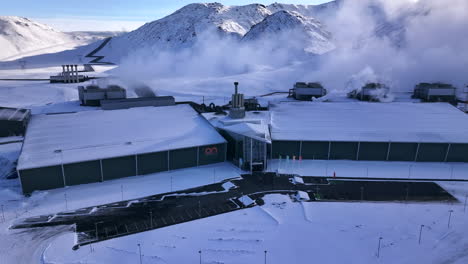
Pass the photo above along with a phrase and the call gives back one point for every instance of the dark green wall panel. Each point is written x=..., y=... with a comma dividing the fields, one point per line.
x=315, y=150
x=152, y=162
x=41, y=179
x=182, y=158
x=115, y=168
x=343, y=150
x=432, y=152
x=285, y=148
x=458, y=153
x=403, y=151
x=211, y=154
x=373, y=151
x=82, y=173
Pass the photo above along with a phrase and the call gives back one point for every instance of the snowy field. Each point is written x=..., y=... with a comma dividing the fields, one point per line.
x=291, y=233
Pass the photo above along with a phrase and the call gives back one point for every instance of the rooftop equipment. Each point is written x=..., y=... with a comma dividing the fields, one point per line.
x=306, y=91
x=373, y=92
x=237, y=110
x=435, y=92
x=463, y=100
x=137, y=102
x=70, y=74
x=13, y=121
x=92, y=95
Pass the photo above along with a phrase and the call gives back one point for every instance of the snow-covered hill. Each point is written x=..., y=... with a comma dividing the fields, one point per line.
x=21, y=37
x=185, y=26
x=308, y=31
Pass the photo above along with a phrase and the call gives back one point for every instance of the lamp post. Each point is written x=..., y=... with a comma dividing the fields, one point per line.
x=420, y=233
x=139, y=249
x=450, y=217
x=378, y=247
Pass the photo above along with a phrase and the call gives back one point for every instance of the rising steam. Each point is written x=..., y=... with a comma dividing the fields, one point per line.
x=398, y=42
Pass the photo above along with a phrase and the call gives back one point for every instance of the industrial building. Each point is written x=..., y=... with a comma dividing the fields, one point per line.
x=373, y=92
x=92, y=95
x=113, y=104
x=436, y=132
x=307, y=91
x=435, y=92
x=13, y=121
x=93, y=146
x=71, y=74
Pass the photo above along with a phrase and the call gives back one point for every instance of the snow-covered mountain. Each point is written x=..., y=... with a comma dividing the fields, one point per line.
x=211, y=22
x=306, y=30
x=185, y=26
x=20, y=37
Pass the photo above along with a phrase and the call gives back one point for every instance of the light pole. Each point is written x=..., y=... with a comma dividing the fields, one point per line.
x=199, y=253
x=450, y=217
x=139, y=249
x=66, y=202
x=121, y=191
x=378, y=247
x=265, y=257
x=464, y=206
x=420, y=233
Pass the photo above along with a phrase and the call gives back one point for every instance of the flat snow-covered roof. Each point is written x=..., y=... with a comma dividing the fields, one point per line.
x=369, y=122
x=92, y=135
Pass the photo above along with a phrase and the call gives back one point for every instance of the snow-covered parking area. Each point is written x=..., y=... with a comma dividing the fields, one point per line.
x=290, y=232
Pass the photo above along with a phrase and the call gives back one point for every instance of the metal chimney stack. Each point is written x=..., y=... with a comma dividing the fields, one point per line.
x=237, y=104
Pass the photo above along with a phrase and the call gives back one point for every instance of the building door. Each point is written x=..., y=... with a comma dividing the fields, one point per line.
x=255, y=154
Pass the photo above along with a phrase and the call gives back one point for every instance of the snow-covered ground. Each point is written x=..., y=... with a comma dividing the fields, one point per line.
x=290, y=232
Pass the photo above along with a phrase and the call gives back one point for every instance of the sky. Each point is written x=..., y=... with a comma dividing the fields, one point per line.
x=106, y=15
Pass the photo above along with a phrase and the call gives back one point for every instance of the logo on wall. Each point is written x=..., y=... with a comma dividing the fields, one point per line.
x=211, y=151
